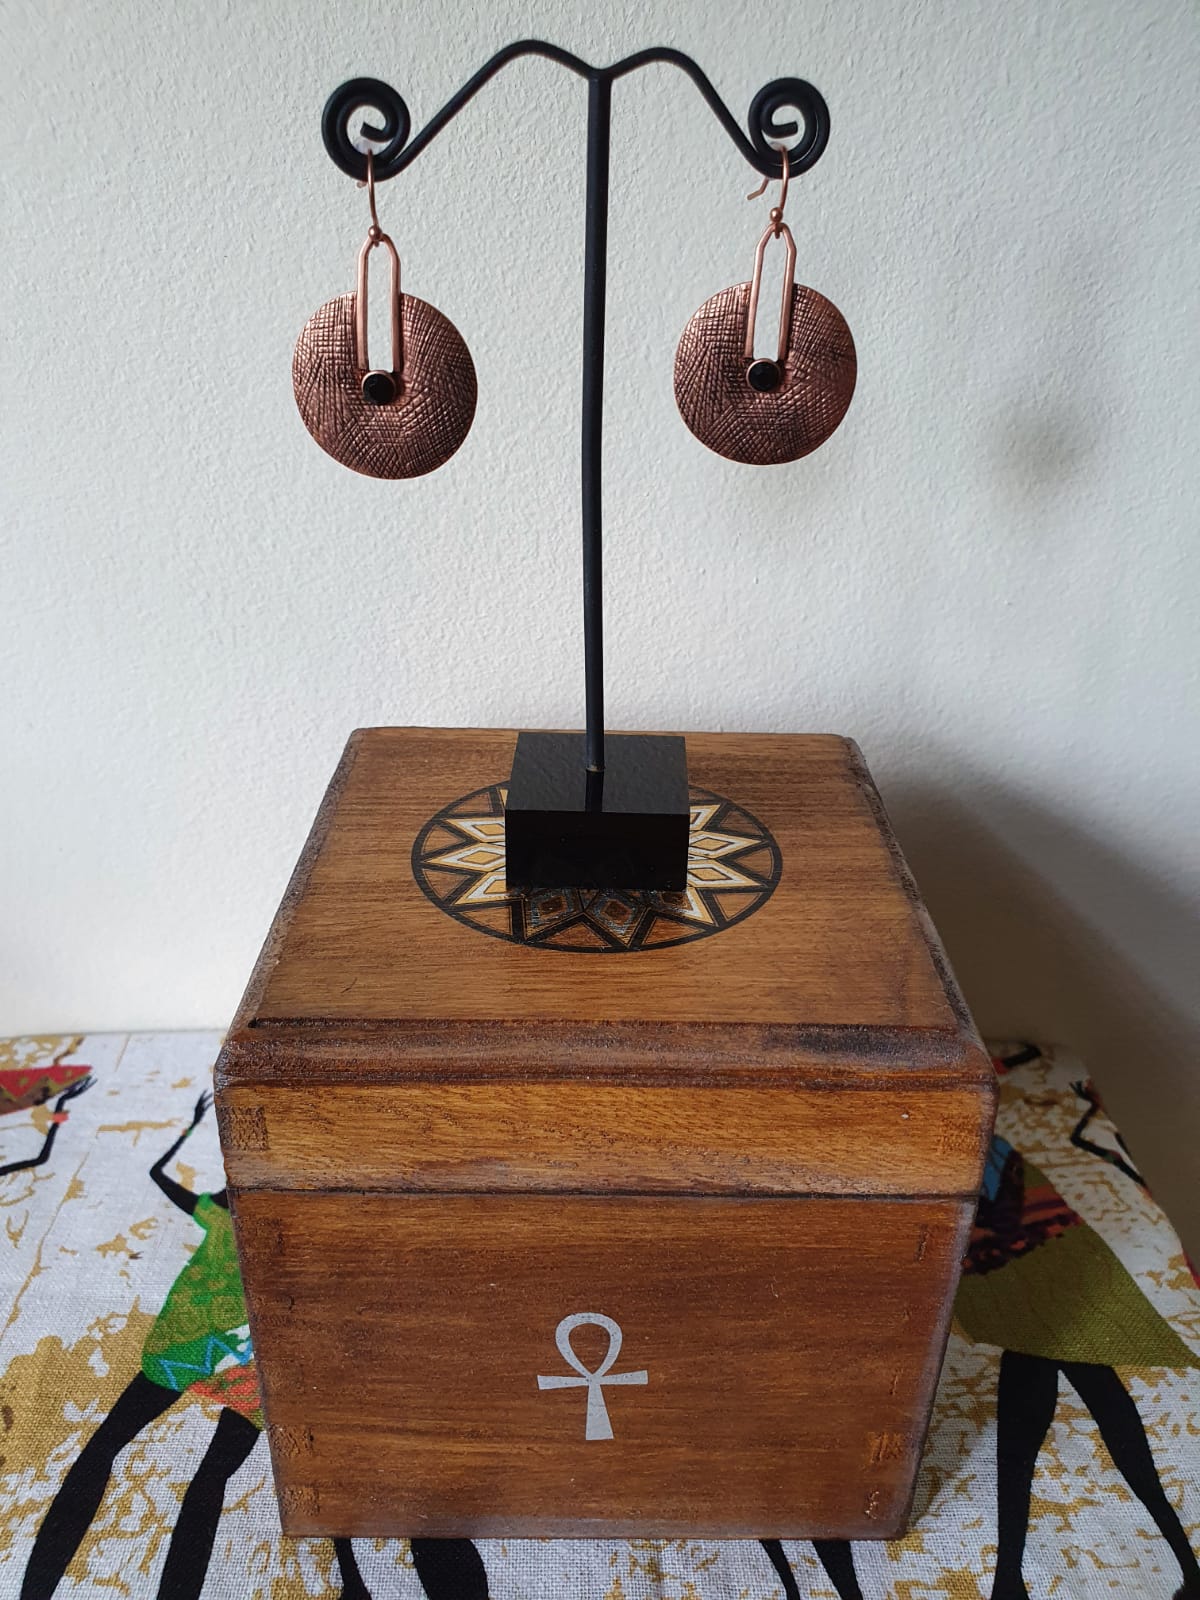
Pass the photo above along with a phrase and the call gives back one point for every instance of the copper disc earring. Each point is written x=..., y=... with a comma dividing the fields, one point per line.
x=760, y=410
x=395, y=422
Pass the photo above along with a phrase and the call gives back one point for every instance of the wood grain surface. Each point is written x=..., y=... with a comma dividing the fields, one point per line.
x=791, y=1349
x=757, y=1152
x=589, y=1137
x=841, y=941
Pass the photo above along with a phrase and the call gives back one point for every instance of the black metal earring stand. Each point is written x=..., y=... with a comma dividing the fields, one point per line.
x=584, y=812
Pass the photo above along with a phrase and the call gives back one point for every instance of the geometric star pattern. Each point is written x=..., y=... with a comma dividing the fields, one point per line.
x=733, y=867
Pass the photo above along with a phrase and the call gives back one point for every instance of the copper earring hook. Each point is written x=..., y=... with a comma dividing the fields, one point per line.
x=776, y=211
x=375, y=232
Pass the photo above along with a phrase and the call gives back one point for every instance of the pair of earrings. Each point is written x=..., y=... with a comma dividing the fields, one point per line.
x=404, y=420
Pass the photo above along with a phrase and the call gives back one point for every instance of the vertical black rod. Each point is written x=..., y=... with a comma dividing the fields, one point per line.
x=595, y=268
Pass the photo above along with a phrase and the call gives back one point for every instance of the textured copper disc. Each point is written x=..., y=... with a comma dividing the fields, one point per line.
x=417, y=432
x=717, y=402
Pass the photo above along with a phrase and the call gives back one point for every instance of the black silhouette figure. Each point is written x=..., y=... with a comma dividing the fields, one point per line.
x=58, y=1117
x=142, y=1400
x=449, y=1569
x=1087, y=1093
x=1026, y=1401
x=1088, y=1306
x=835, y=1555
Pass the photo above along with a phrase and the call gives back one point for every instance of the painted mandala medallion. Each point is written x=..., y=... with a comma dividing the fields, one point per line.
x=733, y=867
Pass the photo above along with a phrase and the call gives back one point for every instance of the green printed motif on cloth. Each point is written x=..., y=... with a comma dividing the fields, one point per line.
x=1069, y=1299
x=202, y=1327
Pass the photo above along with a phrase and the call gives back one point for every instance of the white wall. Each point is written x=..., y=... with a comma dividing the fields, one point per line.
x=989, y=576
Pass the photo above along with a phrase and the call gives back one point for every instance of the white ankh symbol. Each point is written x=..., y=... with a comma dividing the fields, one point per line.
x=598, y=1425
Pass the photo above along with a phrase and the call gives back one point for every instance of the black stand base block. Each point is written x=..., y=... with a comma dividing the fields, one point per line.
x=624, y=828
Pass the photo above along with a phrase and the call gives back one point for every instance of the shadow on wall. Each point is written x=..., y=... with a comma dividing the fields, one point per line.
x=1033, y=965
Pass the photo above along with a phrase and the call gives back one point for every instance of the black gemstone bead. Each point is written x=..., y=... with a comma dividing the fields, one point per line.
x=764, y=376
x=379, y=388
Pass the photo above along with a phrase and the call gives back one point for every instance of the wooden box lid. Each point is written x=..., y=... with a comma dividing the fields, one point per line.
x=408, y=1026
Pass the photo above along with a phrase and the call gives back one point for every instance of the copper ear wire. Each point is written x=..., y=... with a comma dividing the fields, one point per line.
x=376, y=236
x=776, y=211
x=368, y=183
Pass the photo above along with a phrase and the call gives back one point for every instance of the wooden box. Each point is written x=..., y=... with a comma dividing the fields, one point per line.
x=601, y=1214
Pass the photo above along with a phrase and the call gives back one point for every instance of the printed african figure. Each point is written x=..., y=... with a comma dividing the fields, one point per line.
x=29, y=1088
x=1040, y=1286
x=1064, y=1304
x=199, y=1345
x=835, y=1555
x=1045, y=1287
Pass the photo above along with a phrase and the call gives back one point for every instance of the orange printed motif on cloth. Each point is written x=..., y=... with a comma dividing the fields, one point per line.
x=235, y=1387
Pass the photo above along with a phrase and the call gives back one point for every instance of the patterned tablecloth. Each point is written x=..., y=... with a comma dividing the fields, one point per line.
x=1063, y=1460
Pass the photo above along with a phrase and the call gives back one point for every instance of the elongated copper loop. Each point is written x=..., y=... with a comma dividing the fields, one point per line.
x=360, y=309
x=780, y=231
